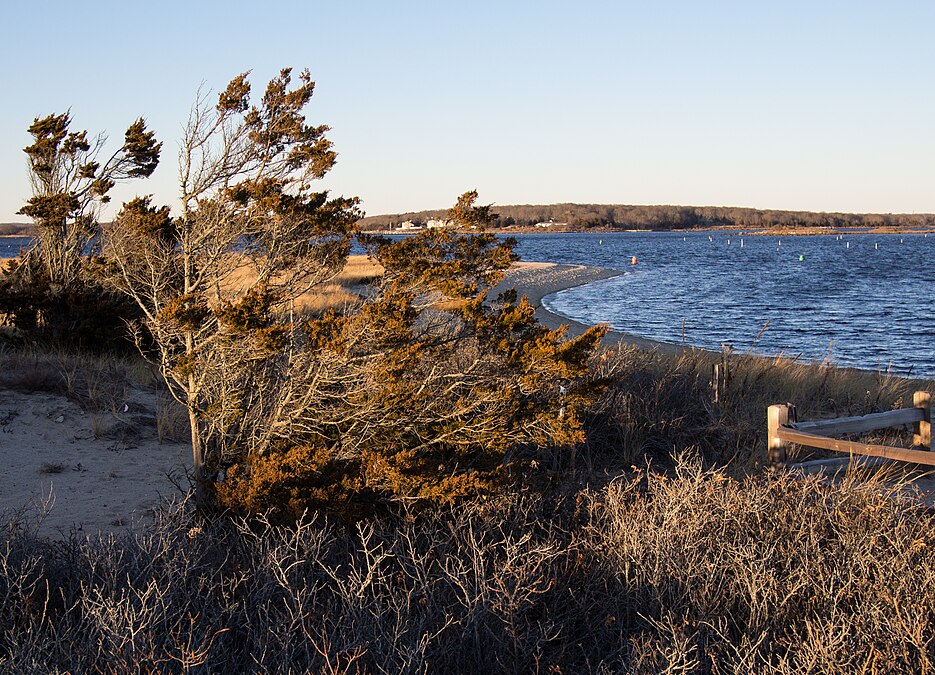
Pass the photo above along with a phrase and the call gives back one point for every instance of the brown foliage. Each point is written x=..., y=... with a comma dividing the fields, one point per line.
x=426, y=404
x=292, y=482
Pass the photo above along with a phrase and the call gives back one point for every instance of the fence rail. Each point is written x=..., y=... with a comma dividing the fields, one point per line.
x=784, y=429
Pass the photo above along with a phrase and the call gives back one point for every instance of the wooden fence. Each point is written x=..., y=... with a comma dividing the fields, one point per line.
x=784, y=429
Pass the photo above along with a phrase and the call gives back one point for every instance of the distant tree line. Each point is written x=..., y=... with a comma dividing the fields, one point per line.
x=17, y=230
x=619, y=216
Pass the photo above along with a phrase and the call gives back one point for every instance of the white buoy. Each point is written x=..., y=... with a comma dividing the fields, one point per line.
x=741, y=243
x=728, y=242
x=876, y=247
x=848, y=244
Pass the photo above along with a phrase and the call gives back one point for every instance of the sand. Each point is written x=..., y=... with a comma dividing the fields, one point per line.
x=65, y=468
x=60, y=477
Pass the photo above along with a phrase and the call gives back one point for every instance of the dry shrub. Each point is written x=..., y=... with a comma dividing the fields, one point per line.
x=660, y=402
x=773, y=574
x=695, y=572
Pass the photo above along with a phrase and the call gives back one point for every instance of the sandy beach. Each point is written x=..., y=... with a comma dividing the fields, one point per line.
x=101, y=471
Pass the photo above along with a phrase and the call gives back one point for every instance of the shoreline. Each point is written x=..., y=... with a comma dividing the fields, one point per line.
x=765, y=231
x=537, y=280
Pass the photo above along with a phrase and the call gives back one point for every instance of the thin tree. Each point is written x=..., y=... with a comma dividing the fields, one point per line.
x=216, y=284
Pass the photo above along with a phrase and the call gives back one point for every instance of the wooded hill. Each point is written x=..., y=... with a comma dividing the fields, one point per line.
x=624, y=217
x=17, y=230
x=619, y=216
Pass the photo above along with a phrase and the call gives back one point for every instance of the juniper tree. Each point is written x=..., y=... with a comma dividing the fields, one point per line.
x=216, y=284
x=420, y=391
x=70, y=183
x=426, y=389
x=53, y=289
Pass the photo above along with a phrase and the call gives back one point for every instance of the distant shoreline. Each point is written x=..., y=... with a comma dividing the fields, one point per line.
x=752, y=232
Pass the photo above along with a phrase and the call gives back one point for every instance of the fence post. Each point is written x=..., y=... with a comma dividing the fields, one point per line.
x=776, y=416
x=716, y=381
x=923, y=430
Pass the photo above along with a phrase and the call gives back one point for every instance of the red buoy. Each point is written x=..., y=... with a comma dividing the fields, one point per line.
x=633, y=262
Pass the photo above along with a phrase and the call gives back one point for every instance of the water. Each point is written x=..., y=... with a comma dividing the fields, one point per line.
x=11, y=246
x=864, y=301
x=867, y=303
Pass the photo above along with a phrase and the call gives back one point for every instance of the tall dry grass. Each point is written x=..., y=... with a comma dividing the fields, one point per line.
x=97, y=382
x=693, y=572
x=660, y=403
x=343, y=291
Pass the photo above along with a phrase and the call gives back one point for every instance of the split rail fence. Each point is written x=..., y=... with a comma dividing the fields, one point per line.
x=784, y=429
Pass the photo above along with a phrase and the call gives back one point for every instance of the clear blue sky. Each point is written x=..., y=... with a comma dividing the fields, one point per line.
x=816, y=105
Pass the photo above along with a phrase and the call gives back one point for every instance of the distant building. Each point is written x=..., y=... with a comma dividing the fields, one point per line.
x=409, y=225
x=435, y=223
x=551, y=223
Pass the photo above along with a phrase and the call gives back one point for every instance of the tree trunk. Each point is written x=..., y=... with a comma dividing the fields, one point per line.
x=204, y=495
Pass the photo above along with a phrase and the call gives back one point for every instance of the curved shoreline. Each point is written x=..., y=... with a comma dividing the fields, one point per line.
x=536, y=280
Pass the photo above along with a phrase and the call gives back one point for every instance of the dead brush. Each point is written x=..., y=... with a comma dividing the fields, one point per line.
x=658, y=401
x=691, y=571
x=771, y=573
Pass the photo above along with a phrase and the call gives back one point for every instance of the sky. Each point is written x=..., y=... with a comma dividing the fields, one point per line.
x=817, y=105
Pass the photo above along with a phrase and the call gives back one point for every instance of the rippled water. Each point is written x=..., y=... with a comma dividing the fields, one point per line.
x=862, y=300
